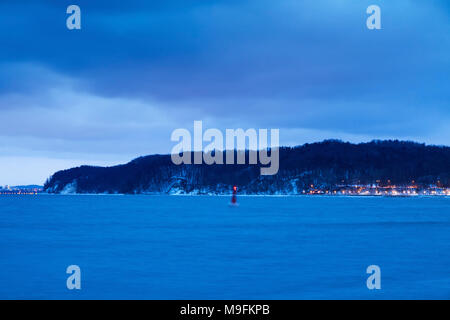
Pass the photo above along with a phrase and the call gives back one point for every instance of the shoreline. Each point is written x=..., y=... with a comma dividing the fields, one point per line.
x=241, y=195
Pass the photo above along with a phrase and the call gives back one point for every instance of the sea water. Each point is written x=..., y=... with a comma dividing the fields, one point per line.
x=198, y=247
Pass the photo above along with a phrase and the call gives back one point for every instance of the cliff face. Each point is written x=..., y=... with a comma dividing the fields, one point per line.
x=324, y=165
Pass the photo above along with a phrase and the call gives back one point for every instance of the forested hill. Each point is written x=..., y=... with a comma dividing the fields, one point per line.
x=324, y=165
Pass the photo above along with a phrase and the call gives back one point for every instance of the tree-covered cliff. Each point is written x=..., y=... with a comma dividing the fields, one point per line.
x=323, y=165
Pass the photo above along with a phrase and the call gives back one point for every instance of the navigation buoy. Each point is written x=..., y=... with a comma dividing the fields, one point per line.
x=233, y=197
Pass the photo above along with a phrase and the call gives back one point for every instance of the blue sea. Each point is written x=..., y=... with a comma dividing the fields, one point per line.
x=198, y=247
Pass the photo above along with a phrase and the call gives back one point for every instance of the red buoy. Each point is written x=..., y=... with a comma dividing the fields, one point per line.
x=233, y=197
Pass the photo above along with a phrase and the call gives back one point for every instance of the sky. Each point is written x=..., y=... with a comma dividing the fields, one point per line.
x=137, y=70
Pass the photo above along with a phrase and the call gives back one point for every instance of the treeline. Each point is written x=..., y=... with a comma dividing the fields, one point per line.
x=324, y=165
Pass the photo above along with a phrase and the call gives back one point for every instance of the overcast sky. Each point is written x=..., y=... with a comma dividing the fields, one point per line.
x=137, y=70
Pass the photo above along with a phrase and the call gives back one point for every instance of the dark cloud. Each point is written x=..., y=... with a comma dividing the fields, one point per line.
x=139, y=69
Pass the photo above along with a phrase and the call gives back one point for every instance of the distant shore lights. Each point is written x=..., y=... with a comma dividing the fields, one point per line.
x=247, y=142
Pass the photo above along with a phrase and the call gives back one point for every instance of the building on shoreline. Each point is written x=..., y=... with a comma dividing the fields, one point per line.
x=21, y=190
x=378, y=190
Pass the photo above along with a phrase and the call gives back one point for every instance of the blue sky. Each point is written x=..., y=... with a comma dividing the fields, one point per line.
x=137, y=70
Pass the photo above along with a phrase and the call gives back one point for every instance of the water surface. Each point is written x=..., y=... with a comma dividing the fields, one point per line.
x=184, y=247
